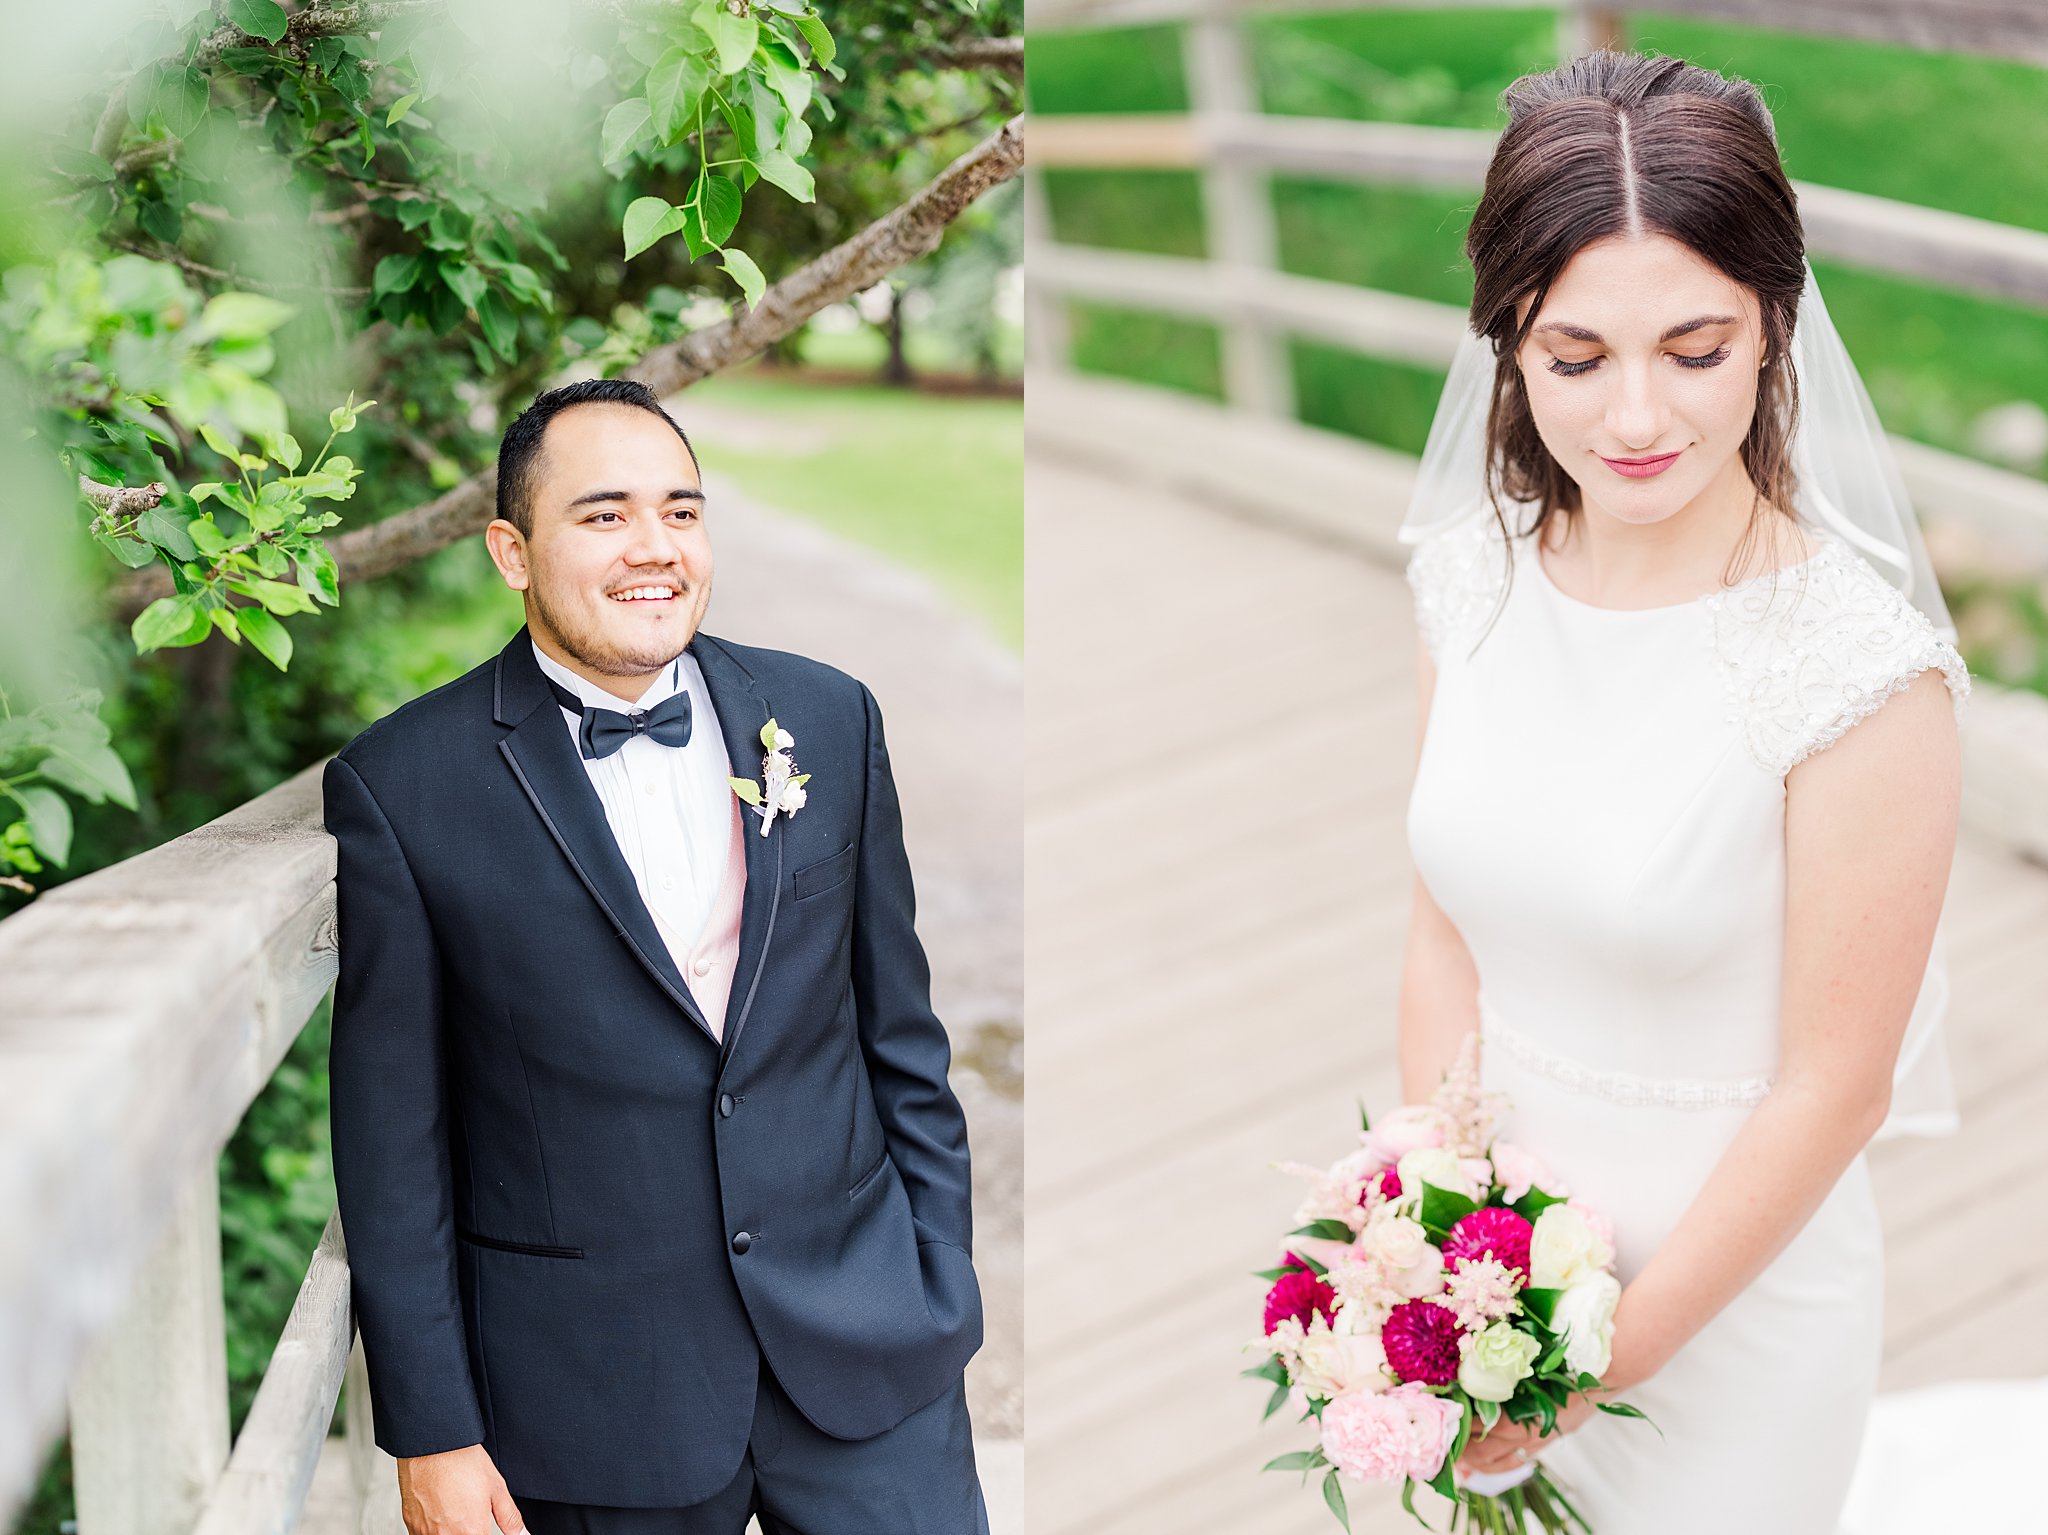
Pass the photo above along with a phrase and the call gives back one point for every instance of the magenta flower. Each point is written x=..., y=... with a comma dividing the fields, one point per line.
x=1421, y=1340
x=1494, y=1233
x=1387, y=1186
x=1301, y=1294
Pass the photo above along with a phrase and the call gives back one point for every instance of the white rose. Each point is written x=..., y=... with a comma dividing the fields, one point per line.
x=1564, y=1249
x=784, y=741
x=1433, y=1164
x=1413, y=1264
x=1585, y=1315
x=792, y=798
x=1329, y=1364
x=1496, y=1361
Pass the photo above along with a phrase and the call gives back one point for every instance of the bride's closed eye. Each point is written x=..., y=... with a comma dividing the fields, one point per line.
x=1711, y=359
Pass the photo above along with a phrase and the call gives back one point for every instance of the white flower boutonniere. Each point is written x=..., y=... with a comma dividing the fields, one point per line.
x=781, y=787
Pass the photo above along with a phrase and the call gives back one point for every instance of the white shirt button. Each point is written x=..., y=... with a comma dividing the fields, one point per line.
x=702, y=967
x=648, y=790
x=668, y=882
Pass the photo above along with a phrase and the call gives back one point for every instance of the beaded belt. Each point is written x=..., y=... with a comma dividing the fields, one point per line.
x=1620, y=1087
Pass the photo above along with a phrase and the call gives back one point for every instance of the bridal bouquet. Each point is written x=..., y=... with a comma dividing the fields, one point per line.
x=1441, y=1280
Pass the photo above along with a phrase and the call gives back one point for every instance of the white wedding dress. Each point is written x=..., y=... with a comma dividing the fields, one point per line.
x=1599, y=809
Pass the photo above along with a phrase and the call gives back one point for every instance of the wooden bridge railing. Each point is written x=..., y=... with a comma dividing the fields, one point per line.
x=146, y=1006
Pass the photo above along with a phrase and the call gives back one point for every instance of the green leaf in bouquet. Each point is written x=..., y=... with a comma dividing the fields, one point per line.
x=1541, y=1304
x=1464, y=1436
x=1325, y=1230
x=1269, y=1275
x=1273, y=1369
x=1364, y=1119
x=1333, y=1494
x=1444, y=1483
x=1295, y=1460
x=1489, y=1413
x=1318, y=1269
x=1533, y=1204
x=1408, y=1503
x=1549, y=1411
x=1623, y=1410
x=1550, y=1360
x=1443, y=1208
x=1273, y=1402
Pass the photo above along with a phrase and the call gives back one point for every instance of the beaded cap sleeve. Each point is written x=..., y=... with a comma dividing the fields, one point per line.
x=1457, y=576
x=1805, y=659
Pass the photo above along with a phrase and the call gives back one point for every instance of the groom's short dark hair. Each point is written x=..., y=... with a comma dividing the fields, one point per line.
x=520, y=449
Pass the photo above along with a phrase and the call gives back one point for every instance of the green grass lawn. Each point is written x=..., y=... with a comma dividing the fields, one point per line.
x=934, y=481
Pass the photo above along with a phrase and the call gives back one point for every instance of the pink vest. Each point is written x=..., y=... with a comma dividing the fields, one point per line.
x=711, y=961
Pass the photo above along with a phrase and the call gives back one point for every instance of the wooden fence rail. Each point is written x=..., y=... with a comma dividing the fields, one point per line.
x=147, y=1005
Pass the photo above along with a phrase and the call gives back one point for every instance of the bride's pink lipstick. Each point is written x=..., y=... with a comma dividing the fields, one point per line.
x=1640, y=468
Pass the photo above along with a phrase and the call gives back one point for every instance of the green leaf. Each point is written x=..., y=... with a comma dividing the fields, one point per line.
x=1275, y=1401
x=1294, y=1460
x=1442, y=1208
x=259, y=18
x=271, y=639
x=714, y=209
x=241, y=317
x=626, y=127
x=736, y=37
x=768, y=733
x=823, y=49
x=787, y=80
x=649, y=219
x=1274, y=1369
x=674, y=84
x=1533, y=1204
x=741, y=267
x=168, y=621
x=748, y=791
x=1541, y=1304
x=71, y=160
x=395, y=274
x=93, y=771
x=777, y=167
x=1489, y=1413
x=1623, y=1410
x=276, y=596
x=219, y=441
x=465, y=282
x=501, y=330
x=1333, y=1494
x=1326, y=1230
x=166, y=529
x=49, y=822
x=399, y=108
x=178, y=98
x=285, y=449
x=223, y=619
x=132, y=552
x=1444, y=1483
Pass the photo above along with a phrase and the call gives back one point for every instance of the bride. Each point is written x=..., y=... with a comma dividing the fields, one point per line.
x=1686, y=798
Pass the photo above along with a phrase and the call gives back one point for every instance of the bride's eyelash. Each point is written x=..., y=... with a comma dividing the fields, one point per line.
x=1711, y=359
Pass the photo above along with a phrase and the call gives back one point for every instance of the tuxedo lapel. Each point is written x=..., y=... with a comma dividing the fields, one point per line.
x=742, y=711
x=545, y=760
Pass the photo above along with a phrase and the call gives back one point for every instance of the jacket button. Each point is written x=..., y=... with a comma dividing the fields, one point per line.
x=741, y=1242
x=725, y=1105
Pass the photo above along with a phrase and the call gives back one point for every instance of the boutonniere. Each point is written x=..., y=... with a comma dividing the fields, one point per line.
x=781, y=787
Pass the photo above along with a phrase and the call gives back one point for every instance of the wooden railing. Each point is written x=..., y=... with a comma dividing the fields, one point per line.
x=146, y=1006
x=1340, y=489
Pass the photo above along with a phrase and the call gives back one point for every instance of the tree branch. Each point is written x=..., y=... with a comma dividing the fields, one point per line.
x=123, y=500
x=911, y=230
x=1004, y=53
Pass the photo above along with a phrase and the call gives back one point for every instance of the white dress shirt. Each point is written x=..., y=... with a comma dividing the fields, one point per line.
x=667, y=805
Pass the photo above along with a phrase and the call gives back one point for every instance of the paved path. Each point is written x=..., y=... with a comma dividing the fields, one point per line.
x=1213, y=968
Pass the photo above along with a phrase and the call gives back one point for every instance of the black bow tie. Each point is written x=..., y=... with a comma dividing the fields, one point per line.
x=604, y=731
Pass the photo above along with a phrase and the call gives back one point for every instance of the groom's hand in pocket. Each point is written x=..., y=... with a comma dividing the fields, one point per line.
x=457, y=1492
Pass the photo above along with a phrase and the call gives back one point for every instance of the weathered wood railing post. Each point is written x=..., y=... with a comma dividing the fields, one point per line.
x=149, y=1403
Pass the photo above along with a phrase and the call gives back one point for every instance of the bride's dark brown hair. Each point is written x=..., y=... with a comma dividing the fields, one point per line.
x=1618, y=144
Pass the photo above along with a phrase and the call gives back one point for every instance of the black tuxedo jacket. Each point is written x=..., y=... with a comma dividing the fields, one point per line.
x=574, y=1220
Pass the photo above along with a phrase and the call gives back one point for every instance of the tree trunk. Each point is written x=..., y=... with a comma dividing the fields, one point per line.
x=896, y=370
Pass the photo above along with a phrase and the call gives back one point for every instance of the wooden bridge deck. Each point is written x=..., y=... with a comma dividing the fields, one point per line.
x=1212, y=969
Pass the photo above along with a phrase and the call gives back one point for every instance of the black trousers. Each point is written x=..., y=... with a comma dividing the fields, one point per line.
x=917, y=1478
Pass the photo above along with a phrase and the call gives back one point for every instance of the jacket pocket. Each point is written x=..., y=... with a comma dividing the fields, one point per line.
x=537, y=1249
x=867, y=1179
x=815, y=878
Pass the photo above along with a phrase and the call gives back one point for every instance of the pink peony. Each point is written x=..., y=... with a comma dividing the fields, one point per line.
x=1421, y=1340
x=1602, y=1227
x=1492, y=1232
x=1387, y=1436
x=1518, y=1171
x=1408, y=1128
x=1299, y=1294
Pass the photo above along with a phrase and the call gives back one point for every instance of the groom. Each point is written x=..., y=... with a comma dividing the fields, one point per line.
x=655, y=1195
